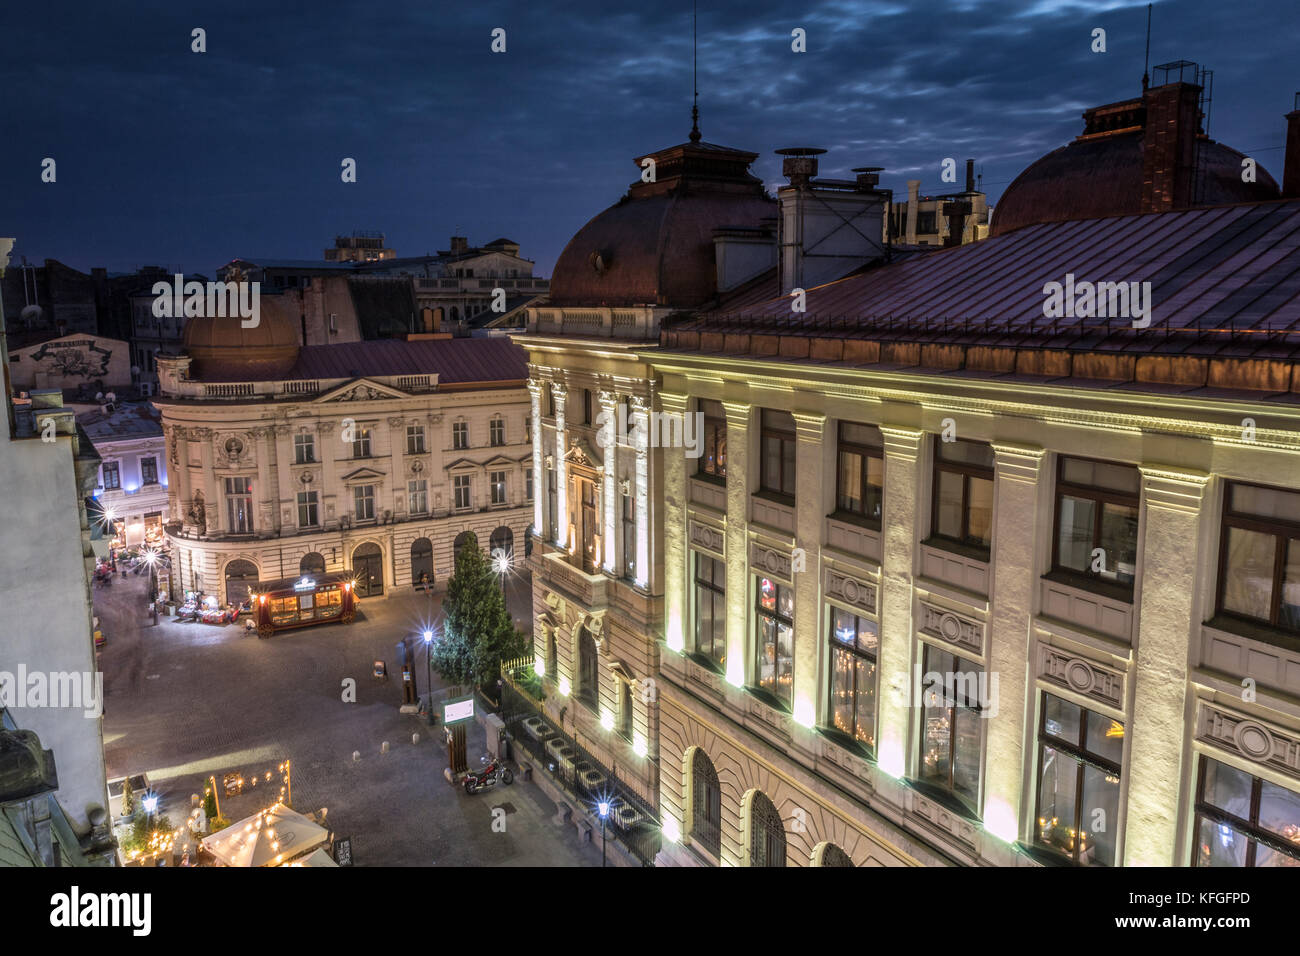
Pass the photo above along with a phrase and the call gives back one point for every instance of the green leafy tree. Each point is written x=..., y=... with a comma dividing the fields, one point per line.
x=209, y=801
x=128, y=798
x=479, y=633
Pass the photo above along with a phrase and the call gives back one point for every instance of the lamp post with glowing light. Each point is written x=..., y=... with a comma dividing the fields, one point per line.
x=151, y=559
x=428, y=647
x=603, y=807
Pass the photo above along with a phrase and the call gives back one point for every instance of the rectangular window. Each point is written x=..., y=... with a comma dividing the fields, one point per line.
x=1079, y=755
x=778, y=438
x=497, y=431
x=549, y=410
x=552, y=505
x=460, y=435
x=497, y=480
x=528, y=484
x=307, y=510
x=460, y=484
x=713, y=458
x=774, y=638
x=417, y=493
x=711, y=609
x=860, y=472
x=1097, y=519
x=587, y=418
x=415, y=439
x=363, y=500
x=1242, y=820
x=963, y=492
x=1259, y=558
x=361, y=443
x=625, y=709
x=239, y=505
x=112, y=475
x=149, y=471
x=304, y=449
x=852, y=704
x=629, y=536
x=952, y=692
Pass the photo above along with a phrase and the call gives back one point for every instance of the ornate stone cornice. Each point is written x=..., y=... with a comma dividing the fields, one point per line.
x=902, y=441
x=738, y=413
x=810, y=427
x=396, y=420
x=1173, y=488
x=1018, y=462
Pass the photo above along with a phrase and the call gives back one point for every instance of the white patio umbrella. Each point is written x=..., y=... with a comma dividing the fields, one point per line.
x=267, y=838
x=317, y=857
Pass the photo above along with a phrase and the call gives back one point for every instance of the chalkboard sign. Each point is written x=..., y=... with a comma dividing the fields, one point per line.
x=343, y=851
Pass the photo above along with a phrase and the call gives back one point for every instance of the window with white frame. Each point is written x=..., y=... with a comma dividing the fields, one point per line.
x=363, y=500
x=304, y=449
x=461, y=486
x=308, y=512
x=460, y=435
x=417, y=493
x=497, y=431
x=415, y=439
x=497, y=480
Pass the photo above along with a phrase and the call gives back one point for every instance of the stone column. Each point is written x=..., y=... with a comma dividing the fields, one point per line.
x=641, y=491
x=738, y=416
x=182, y=478
x=559, y=392
x=676, y=557
x=810, y=514
x=325, y=445
x=1172, y=503
x=214, y=499
x=267, y=520
x=899, y=535
x=539, y=477
x=607, y=439
x=286, y=490
x=1016, y=507
x=396, y=470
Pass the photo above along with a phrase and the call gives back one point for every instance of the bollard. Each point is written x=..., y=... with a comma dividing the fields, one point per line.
x=383, y=748
x=415, y=738
x=356, y=755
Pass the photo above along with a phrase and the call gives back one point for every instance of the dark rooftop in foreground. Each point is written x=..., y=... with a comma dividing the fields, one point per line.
x=1225, y=306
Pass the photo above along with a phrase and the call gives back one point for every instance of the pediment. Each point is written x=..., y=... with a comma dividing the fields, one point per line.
x=360, y=390
x=500, y=460
x=364, y=474
x=580, y=453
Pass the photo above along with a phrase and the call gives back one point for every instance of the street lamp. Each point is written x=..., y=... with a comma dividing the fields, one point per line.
x=603, y=807
x=428, y=647
x=150, y=559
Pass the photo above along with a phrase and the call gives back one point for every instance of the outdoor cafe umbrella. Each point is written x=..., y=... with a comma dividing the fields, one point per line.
x=267, y=838
x=317, y=857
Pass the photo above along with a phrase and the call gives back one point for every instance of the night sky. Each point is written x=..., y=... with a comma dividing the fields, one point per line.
x=187, y=160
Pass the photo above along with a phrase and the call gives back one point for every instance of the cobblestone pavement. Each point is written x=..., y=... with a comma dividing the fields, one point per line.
x=183, y=701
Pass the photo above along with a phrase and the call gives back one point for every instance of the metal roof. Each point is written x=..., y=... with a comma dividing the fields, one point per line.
x=1225, y=281
x=455, y=361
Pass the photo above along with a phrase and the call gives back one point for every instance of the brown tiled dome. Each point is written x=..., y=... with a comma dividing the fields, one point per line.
x=1101, y=174
x=655, y=246
x=223, y=350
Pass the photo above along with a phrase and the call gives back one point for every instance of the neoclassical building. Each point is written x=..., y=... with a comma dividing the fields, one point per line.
x=953, y=581
x=370, y=456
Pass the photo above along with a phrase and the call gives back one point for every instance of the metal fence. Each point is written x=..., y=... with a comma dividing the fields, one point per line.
x=632, y=821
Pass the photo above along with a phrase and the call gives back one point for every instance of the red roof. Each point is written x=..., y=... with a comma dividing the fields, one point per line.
x=456, y=361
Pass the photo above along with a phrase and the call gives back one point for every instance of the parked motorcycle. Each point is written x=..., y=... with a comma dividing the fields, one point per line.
x=494, y=773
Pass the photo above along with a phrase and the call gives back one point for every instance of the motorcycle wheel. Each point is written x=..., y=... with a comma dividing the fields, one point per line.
x=469, y=787
x=507, y=777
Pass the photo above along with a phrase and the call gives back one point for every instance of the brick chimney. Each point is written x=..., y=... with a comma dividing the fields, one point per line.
x=913, y=208
x=1291, y=164
x=1173, y=120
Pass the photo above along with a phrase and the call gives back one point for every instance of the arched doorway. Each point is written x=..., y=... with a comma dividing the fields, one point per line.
x=312, y=563
x=462, y=539
x=833, y=855
x=422, y=563
x=503, y=542
x=368, y=569
x=706, y=803
x=241, y=575
x=588, y=669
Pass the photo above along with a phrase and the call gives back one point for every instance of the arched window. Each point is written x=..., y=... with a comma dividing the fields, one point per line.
x=588, y=669
x=312, y=563
x=502, y=540
x=422, y=563
x=368, y=570
x=464, y=539
x=552, y=657
x=766, y=833
x=834, y=856
x=706, y=803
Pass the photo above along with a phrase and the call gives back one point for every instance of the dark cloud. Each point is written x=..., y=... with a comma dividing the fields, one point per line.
x=165, y=156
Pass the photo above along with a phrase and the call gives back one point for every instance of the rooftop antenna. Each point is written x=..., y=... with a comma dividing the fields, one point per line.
x=1147, y=61
x=695, y=74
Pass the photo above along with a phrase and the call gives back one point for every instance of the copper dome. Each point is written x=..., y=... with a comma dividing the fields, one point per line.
x=655, y=245
x=223, y=350
x=1102, y=172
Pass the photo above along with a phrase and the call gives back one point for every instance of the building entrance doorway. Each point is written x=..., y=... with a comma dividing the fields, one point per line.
x=368, y=568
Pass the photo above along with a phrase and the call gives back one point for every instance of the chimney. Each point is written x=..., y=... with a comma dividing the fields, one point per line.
x=828, y=227
x=913, y=207
x=1173, y=120
x=956, y=211
x=970, y=175
x=1291, y=164
x=459, y=245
